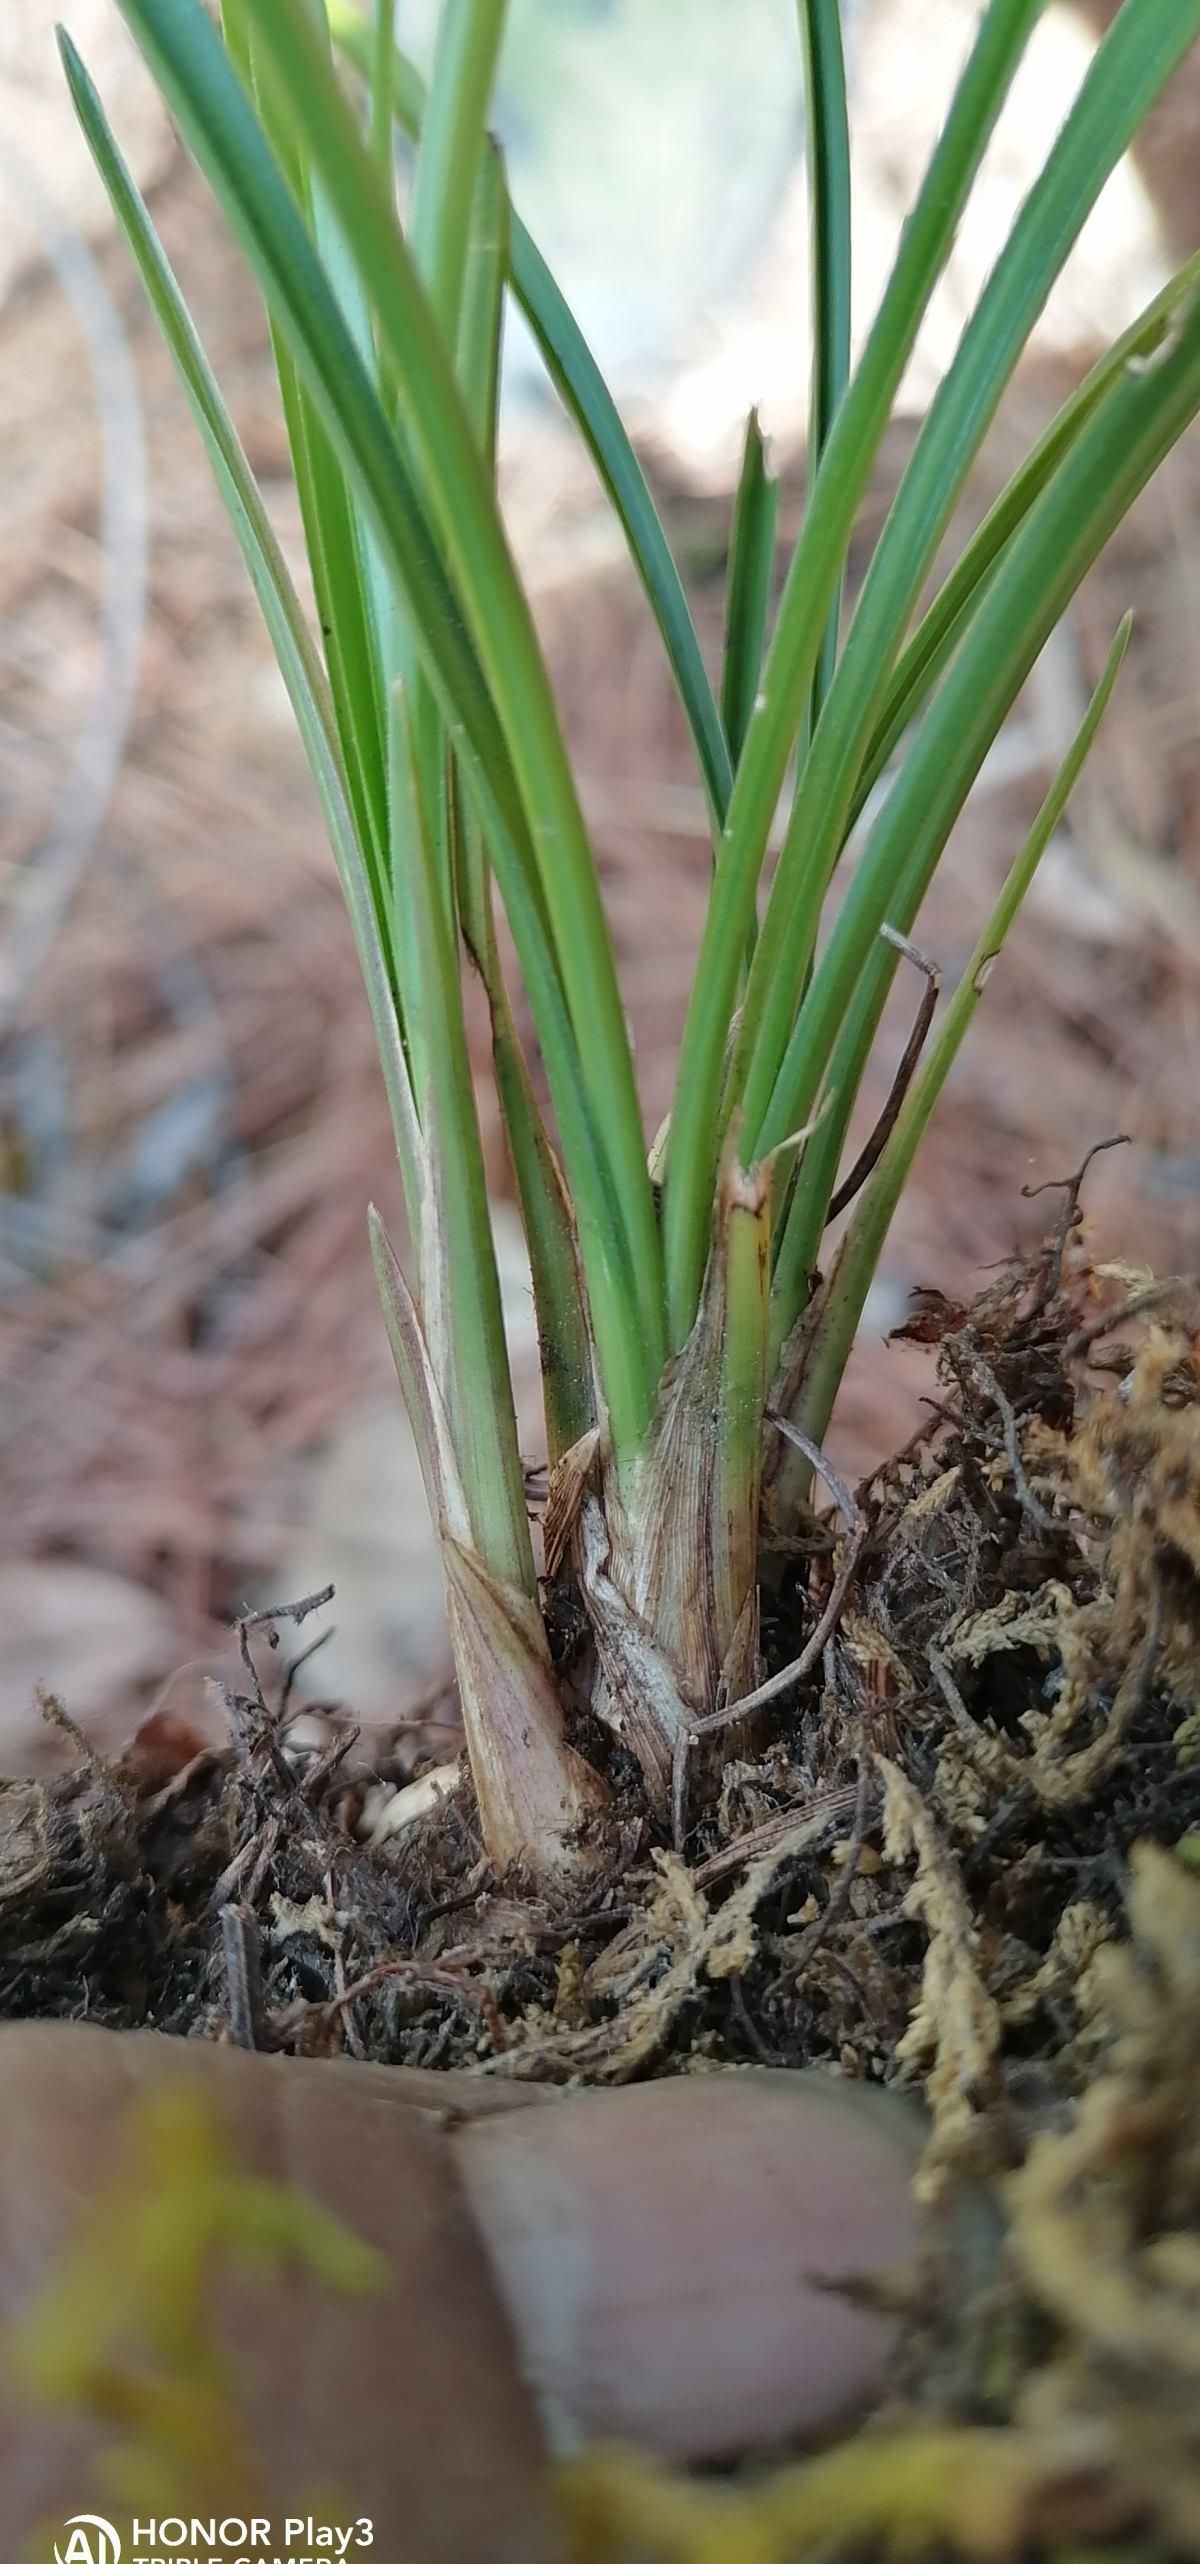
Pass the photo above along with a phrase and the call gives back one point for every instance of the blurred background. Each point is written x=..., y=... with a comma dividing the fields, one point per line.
x=196, y=1408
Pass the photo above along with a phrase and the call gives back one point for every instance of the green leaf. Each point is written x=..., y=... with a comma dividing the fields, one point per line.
x=379, y=85
x=563, y=1342
x=452, y=140
x=482, y=319
x=1111, y=459
x=564, y=1345
x=444, y=191
x=816, y=566
x=586, y=396
x=333, y=538
x=455, y=478
x=748, y=585
x=578, y=380
x=299, y=664
x=940, y=630
x=1140, y=50
x=543, y=864
x=828, y=172
x=858, y=1256
x=460, y=1292
x=479, y=372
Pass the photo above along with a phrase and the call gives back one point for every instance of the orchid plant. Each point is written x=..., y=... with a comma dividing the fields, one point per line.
x=691, y=1347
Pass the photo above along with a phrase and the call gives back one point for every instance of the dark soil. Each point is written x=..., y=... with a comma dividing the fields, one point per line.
x=962, y=1856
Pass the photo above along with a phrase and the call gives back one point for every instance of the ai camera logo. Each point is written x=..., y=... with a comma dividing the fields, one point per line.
x=89, y=2541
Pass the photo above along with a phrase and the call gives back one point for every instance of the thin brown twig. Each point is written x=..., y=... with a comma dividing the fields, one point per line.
x=296, y=1664
x=842, y=1968
x=836, y=1904
x=295, y=1611
x=825, y=1470
x=326, y=1763
x=755, y=2038
x=271, y=1729
x=1072, y=1186
x=790, y=1675
x=422, y=1972
x=1029, y=1503
x=869, y=1156
x=233, y=1874
x=974, y=1737
x=830, y=1807
x=243, y=1977
x=1001, y=1822
x=350, y=2029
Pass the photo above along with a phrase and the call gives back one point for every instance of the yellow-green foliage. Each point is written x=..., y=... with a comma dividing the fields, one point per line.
x=123, y=2331
x=906, y=2493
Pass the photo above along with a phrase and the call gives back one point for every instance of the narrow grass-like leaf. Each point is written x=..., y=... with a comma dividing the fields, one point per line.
x=1136, y=57
x=299, y=664
x=460, y=1292
x=731, y=1571
x=379, y=85
x=439, y=231
x=452, y=136
x=332, y=536
x=309, y=693
x=479, y=332
x=226, y=139
x=940, y=629
x=564, y=1347
x=748, y=585
x=858, y=1255
x=828, y=172
x=585, y=395
x=1111, y=460
x=455, y=478
x=481, y=322
x=815, y=569
x=591, y=1079
x=384, y=604
x=563, y=1343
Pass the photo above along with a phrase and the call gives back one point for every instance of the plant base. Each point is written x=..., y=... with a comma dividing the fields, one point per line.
x=961, y=1858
